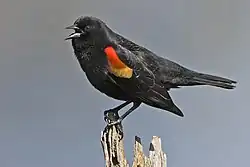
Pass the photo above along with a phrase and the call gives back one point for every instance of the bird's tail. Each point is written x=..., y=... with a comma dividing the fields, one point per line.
x=206, y=79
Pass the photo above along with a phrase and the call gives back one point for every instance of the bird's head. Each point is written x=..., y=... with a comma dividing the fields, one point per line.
x=87, y=26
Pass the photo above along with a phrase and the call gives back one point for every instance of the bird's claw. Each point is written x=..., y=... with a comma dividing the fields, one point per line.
x=106, y=119
x=113, y=119
x=111, y=116
x=110, y=123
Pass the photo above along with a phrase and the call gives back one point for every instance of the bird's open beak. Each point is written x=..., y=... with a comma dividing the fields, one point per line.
x=78, y=32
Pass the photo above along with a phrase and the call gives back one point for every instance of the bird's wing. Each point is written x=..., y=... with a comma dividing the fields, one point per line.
x=139, y=77
x=124, y=64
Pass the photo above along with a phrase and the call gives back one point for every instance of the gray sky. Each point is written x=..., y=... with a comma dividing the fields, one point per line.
x=51, y=116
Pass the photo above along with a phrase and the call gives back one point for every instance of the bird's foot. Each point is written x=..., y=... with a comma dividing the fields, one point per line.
x=111, y=116
x=113, y=119
x=118, y=121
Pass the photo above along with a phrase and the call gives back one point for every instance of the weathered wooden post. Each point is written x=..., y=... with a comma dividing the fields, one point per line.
x=114, y=152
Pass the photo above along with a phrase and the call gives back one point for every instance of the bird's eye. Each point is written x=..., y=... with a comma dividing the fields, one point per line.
x=87, y=28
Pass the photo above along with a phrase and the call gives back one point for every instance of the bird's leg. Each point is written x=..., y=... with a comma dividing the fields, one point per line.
x=112, y=115
x=119, y=120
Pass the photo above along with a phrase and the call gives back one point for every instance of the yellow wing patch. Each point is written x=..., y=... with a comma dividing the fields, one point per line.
x=116, y=66
x=121, y=72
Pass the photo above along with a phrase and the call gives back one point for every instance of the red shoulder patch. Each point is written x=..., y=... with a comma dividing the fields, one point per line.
x=117, y=67
x=113, y=58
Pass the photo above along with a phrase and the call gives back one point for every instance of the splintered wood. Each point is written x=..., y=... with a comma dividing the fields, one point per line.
x=114, y=154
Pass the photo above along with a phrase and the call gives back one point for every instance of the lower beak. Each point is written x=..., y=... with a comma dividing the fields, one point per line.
x=73, y=35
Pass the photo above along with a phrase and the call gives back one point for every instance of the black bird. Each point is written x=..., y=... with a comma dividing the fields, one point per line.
x=126, y=71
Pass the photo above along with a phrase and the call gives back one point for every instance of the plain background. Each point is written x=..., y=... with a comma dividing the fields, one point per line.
x=51, y=116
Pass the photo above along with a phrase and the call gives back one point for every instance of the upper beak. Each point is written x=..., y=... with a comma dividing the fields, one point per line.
x=74, y=34
x=72, y=27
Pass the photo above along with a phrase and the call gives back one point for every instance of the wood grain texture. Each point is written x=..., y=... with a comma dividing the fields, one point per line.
x=114, y=153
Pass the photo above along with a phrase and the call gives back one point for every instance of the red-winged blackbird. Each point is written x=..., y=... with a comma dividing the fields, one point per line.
x=126, y=71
